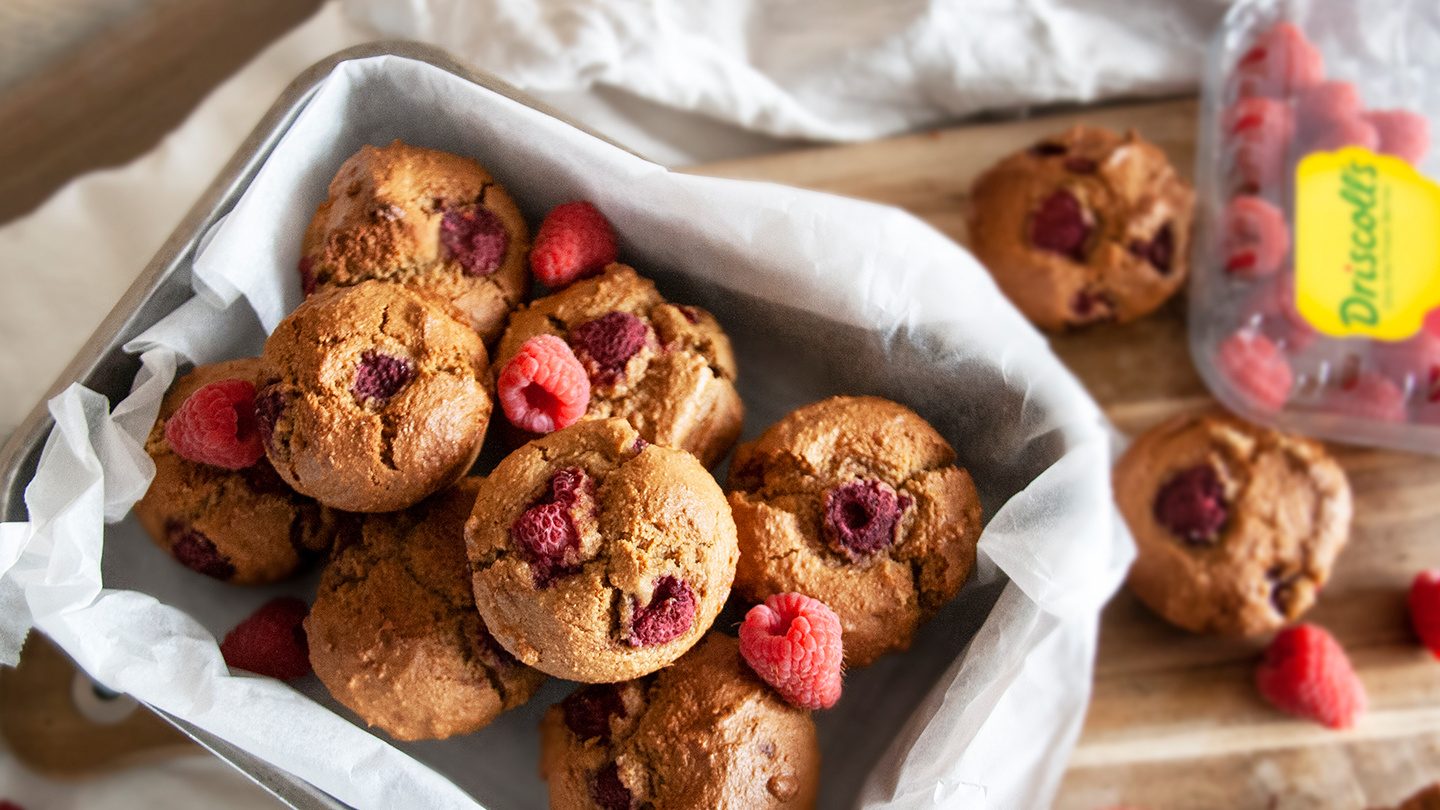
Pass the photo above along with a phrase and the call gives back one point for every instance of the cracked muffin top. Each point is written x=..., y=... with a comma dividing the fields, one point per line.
x=374, y=398
x=243, y=526
x=394, y=634
x=1084, y=227
x=665, y=368
x=855, y=501
x=704, y=733
x=1237, y=526
x=425, y=218
x=598, y=556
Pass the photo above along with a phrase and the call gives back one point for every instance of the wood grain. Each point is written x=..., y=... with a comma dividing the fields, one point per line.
x=1175, y=721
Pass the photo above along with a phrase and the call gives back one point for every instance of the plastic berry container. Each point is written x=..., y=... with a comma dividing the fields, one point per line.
x=1315, y=298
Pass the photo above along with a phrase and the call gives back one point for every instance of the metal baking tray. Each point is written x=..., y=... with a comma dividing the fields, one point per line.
x=103, y=366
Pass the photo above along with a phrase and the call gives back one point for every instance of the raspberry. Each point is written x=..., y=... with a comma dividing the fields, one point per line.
x=1424, y=602
x=546, y=532
x=544, y=387
x=1281, y=62
x=608, y=791
x=1159, y=251
x=1326, y=103
x=607, y=343
x=1059, y=226
x=1306, y=673
x=217, y=425
x=862, y=517
x=1260, y=131
x=1192, y=505
x=1280, y=319
x=1403, y=133
x=380, y=377
x=1432, y=322
x=793, y=643
x=476, y=238
x=574, y=241
x=196, y=551
x=307, y=275
x=1256, y=368
x=588, y=711
x=272, y=641
x=1418, y=357
x=1257, y=239
x=1342, y=132
x=1369, y=396
x=670, y=614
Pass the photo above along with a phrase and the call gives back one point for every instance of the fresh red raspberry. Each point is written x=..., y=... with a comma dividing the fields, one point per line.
x=793, y=643
x=547, y=533
x=608, y=791
x=670, y=614
x=1193, y=506
x=1432, y=322
x=1279, y=317
x=216, y=425
x=476, y=238
x=1257, y=238
x=1327, y=102
x=1403, y=133
x=1418, y=357
x=544, y=388
x=1424, y=602
x=607, y=343
x=1280, y=63
x=574, y=241
x=272, y=641
x=861, y=517
x=1059, y=225
x=1260, y=131
x=1306, y=673
x=1256, y=368
x=380, y=377
x=1369, y=396
x=588, y=711
x=1340, y=133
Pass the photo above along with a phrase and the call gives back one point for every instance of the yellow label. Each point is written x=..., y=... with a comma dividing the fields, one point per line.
x=1367, y=254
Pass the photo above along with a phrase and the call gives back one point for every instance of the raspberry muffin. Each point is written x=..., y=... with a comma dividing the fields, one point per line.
x=1237, y=526
x=597, y=556
x=857, y=502
x=238, y=525
x=432, y=220
x=667, y=369
x=375, y=397
x=1085, y=227
x=394, y=634
x=704, y=733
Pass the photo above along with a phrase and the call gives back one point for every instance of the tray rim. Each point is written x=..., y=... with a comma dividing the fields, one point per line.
x=21, y=450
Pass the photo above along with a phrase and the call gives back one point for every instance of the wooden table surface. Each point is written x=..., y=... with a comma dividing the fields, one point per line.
x=1175, y=722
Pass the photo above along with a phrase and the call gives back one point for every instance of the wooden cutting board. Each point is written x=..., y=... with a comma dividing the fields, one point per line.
x=1175, y=722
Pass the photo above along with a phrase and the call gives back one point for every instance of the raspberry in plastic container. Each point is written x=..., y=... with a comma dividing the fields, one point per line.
x=1315, y=300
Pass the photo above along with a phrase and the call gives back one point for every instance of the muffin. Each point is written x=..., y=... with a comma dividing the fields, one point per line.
x=375, y=397
x=1237, y=526
x=598, y=556
x=703, y=734
x=857, y=502
x=243, y=526
x=429, y=219
x=1084, y=227
x=666, y=369
x=394, y=634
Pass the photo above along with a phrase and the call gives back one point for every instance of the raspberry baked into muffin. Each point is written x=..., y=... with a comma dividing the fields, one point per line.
x=704, y=733
x=425, y=218
x=230, y=516
x=375, y=397
x=855, y=501
x=1084, y=227
x=1237, y=526
x=394, y=634
x=667, y=369
x=597, y=556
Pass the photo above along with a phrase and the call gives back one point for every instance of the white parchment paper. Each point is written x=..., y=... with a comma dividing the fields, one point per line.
x=821, y=295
